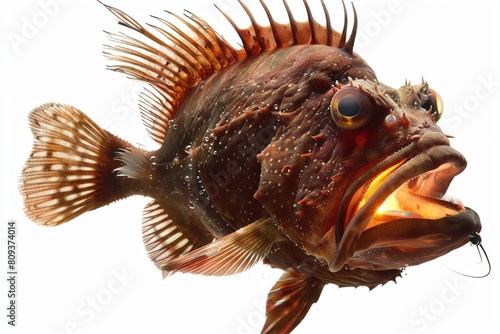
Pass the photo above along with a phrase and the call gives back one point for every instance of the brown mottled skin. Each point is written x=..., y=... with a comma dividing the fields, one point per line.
x=260, y=140
x=288, y=150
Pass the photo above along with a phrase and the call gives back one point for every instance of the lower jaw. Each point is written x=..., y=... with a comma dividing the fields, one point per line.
x=408, y=242
x=440, y=161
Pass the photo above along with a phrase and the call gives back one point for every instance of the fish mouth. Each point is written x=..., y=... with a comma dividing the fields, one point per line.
x=402, y=216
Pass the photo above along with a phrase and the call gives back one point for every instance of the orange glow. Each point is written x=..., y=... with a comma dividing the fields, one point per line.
x=390, y=204
x=377, y=182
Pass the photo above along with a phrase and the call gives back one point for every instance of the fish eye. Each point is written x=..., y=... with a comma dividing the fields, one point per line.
x=351, y=108
x=436, y=102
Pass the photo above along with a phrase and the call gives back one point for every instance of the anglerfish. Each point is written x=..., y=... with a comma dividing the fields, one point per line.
x=284, y=148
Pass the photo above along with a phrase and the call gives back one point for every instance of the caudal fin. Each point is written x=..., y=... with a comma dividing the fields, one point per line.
x=71, y=168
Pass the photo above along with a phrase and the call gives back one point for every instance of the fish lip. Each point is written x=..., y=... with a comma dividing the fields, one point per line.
x=432, y=235
x=427, y=153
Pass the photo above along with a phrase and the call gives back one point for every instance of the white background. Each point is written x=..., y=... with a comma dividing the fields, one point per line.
x=452, y=44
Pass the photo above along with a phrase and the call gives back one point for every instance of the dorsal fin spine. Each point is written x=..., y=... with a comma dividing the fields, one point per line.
x=343, y=36
x=314, y=26
x=248, y=39
x=329, y=29
x=179, y=56
x=226, y=54
x=280, y=32
x=209, y=60
x=349, y=45
x=265, y=35
x=132, y=67
x=193, y=66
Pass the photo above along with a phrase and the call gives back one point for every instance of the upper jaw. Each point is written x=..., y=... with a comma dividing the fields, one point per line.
x=422, y=171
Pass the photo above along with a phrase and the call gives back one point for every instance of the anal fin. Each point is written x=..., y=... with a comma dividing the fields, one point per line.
x=166, y=236
x=231, y=254
x=289, y=301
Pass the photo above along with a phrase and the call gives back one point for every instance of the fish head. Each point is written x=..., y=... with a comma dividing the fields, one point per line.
x=371, y=190
x=395, y=211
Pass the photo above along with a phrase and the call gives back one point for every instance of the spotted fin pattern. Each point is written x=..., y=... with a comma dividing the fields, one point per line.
x=70, y=169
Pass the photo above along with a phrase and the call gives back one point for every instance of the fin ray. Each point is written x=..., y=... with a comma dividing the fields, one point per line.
x=231, y=254
x=289, y=301
x=173, y=58
x=70, y=169
x=156, y=110
x=164, y=235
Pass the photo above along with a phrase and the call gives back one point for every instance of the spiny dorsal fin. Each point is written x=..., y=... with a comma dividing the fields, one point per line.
x=175, y=54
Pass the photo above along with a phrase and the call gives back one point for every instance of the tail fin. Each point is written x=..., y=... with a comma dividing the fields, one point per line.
x=71, y=168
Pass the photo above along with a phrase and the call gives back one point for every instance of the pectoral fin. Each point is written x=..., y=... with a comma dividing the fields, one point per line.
x=231, y=254
x=289, y=301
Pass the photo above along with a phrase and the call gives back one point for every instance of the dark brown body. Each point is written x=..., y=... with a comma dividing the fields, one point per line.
x=210, y=162
x=234, y=115
x=288, y=151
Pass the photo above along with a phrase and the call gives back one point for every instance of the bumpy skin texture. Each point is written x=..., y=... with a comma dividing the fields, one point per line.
x=258, y=139
x=259, y=161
